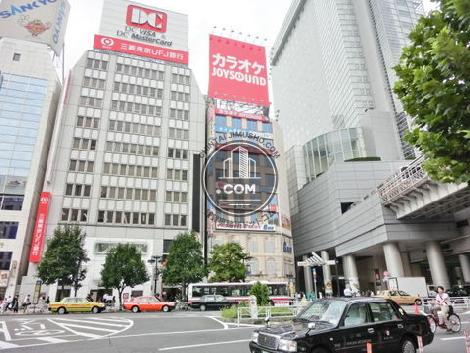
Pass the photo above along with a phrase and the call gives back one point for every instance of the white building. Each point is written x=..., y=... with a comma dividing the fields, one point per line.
x=29, y=92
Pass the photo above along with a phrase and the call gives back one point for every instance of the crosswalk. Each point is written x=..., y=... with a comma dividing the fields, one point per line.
x=33, y=332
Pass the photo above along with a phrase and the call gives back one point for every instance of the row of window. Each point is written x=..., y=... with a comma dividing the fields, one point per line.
x=180, y=96
x=179, y=114
x=134, y=128
x=177, y=174
x=118, y=193
x=121, y=147
x=83, y=121
x=130, y=170
x=176, y=196
x=74, y=215
x=130, y=88
x=96, y=64
x=93, y=83
x=140, y=72
x=81, y=166
x=177, y=153
x=83, y=144
x=181, y=79
x=78, y=190
x=138, y=108
x=91, y=102
x=175, y=220
x=121, y=217
x=5, y=260
x=178, y=134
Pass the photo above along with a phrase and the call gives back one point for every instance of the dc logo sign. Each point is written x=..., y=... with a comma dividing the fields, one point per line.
x=107, y=42
x=240, y=178
x=152, y=20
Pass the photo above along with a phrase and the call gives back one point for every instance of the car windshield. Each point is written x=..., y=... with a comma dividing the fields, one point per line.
x=324, y=310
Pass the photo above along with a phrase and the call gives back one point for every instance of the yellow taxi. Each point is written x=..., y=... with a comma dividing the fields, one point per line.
x=76, y=305
x=400, y=297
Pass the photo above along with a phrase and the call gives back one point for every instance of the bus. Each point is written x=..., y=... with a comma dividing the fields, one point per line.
x=238, y=292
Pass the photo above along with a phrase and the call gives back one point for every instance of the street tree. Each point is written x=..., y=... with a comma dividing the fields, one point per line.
x=64, y=259
x=227, y=263
x=185, y=262
x=261, y=292
x=123, y=268
x=434, y=87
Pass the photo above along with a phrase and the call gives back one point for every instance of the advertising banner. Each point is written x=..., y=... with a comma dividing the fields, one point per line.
x=134, y=48
x=39, y=233
x=160, y=34
x=237, y=71
x=43, y=21
x=4, y=278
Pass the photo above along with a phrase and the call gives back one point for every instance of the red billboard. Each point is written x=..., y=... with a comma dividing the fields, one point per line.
x=39, y=233
x=237, y=71
x=140, y=49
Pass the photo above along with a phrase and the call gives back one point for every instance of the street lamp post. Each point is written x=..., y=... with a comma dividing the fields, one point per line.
x=155, y=260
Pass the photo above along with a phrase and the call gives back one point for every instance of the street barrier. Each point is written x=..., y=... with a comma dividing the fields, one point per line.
x=369, y=347
x=420, y=344
x=273, y=312
x=459, y=303
x=467, y=341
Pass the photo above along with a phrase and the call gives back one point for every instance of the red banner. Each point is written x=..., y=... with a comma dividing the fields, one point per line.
x=39, y=233
x=139, y=49
x=237, y=71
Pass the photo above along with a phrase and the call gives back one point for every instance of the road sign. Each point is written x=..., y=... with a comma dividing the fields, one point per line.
x=303, y=264
x=331, y=262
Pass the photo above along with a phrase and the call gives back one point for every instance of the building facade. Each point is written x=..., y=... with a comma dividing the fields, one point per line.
x=29, y=93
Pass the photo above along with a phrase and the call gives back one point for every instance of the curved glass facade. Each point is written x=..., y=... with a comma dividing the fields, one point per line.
x=340, y=145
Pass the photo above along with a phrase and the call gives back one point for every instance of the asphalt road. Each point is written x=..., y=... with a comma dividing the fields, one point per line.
x=179, y=332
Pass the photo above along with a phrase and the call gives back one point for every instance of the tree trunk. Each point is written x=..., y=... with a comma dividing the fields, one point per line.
x=75, y=289
x=120, y=290
x=62, y=288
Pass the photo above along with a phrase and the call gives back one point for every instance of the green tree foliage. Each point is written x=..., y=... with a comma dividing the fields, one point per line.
x=227, y=263
x=123, y=268
x=64, y=258
x=261, y=292
x=185, y=263
x=434, y=87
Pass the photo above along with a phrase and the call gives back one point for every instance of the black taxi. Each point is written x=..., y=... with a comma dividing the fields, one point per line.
x=349, y=325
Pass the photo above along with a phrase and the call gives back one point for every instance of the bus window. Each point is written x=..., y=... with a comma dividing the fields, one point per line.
x=236, y=292
x=197, y=292
x=212, y=290
x=223, y=290
x=206, y=291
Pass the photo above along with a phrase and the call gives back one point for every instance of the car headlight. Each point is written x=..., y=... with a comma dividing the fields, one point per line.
x=287, y=345
x=254, y=337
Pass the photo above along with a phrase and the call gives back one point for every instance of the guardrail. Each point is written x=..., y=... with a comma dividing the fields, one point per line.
x=459, y=303
x=273, y=312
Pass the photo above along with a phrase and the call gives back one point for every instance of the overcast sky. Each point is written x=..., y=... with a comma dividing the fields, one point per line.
x=256, y=18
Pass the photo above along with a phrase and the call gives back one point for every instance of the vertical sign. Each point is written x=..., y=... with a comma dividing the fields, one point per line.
x=237, y=71
x=467, y=341
x=420, y=344
x=369, y=347
x=37, y=241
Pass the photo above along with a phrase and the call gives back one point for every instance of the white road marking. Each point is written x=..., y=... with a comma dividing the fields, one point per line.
x=5, y=331
x=51, y=339
x=66, y=324
x=225, y=325
x=66, y=327
x=91, y=322
x=6, y=345
x=106, y=319
x=202, y=345
x=452, y=338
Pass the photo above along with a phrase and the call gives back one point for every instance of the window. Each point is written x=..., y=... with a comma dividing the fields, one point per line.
x=11, y=202
x=16, y=56
x=167, y=220
x=5, y=260
x=383, y=312
x=267, y=127
x=8, y=230
x=357, y=315
x=252, y=125
x=236, y=123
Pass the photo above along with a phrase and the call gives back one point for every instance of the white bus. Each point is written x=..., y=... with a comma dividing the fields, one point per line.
x=238, y=292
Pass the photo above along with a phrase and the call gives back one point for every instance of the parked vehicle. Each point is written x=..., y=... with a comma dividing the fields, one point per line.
x=211, y=302
x=76, y=305
x=346, y=325
x=458, y=291
x=412, y=285
x=139, y=304
x=400, y=297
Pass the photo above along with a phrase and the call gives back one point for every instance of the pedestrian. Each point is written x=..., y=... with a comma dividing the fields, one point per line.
x=47, y=300
x=26, y=303
x=14, y=304
x=5, y=304
x=347, y=292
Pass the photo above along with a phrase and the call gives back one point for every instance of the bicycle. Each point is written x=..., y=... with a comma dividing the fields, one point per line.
x=455, y=324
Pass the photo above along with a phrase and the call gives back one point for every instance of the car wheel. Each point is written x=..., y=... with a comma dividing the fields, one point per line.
x=95, y=310
x=202, y=307
x=61, y=310
x=408, y=346
x=135, y=309
x=165, y=308
x=418, y=302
